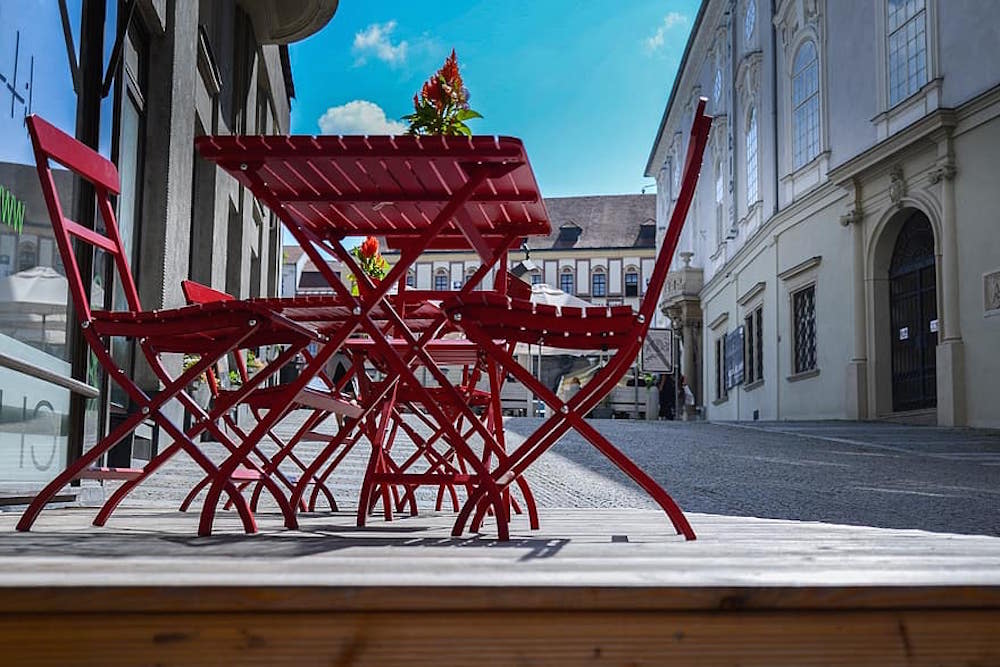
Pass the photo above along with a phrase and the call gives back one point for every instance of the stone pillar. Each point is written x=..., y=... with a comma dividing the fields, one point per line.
x=950, y=349
x=857, y=369
x=691, y=362
x=169, y=150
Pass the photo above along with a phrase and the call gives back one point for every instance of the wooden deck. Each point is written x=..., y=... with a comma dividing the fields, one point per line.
x=601, y=587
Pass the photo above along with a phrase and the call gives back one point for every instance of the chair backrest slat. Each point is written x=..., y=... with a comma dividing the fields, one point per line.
x=692, y=166
x=89, y=235
x=51, y=143
x=72, y=154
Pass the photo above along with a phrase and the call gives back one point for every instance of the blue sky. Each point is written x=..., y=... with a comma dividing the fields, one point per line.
x=583, y=83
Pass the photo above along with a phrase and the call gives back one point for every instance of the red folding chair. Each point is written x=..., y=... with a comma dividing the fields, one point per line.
x=488, y=317
x=210, y=330
x=323, y=401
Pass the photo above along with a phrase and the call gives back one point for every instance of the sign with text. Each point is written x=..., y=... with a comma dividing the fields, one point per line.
x=734, y=358
x=657, y=351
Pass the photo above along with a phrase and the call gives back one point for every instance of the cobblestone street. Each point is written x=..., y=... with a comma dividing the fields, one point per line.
x=875, y=474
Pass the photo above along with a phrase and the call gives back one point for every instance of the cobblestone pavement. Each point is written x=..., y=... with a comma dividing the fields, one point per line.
x=875, y=474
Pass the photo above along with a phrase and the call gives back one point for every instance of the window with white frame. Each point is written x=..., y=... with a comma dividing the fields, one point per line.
x=906, y=25
x=631, y=281
x=566, y=282
x=717, y=88
x=598, y=283
x=441, y=280
x=751, y=146
x=411, y=278
x=536, y=277
x=805, y=105
x=749, y=20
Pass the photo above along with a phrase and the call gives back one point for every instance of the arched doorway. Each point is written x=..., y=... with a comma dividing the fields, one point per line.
x=913, y=316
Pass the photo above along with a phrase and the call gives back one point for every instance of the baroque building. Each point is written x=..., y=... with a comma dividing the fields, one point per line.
x=841, y=259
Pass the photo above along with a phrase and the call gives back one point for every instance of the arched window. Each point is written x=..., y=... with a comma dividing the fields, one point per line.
x=566, y=282
x=599, y=282
x=441, y=280
x=805, y=105
x=469, y=272
x=536, y=277
x=631, y=281
x=751, y=156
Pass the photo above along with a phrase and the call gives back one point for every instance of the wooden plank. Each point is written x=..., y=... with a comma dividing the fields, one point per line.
x=504, y=638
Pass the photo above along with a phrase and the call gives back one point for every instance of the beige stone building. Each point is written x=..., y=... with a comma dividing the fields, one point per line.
x=842, y=256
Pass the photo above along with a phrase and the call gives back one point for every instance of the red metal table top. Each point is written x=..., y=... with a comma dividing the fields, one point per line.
x=389, y=186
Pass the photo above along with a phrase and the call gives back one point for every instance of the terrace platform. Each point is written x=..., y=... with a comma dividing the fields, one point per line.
x=598, y=587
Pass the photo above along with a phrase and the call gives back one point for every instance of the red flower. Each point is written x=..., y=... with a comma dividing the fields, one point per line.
x=369, y=247
x=449, y=72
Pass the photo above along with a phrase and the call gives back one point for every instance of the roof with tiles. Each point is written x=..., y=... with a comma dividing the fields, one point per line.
x=606, y=221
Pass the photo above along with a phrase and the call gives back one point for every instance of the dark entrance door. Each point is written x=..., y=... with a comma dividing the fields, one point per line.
x=913, y=315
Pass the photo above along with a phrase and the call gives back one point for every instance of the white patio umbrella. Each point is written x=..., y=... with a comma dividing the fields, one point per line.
x=33, y=306
x=551, y=296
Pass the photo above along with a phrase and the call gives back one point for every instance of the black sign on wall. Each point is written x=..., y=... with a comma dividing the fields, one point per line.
x=734, y=358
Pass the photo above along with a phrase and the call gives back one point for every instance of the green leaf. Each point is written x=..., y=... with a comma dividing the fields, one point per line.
x=466, y=114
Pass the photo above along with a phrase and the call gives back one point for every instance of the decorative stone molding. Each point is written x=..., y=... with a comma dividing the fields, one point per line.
x=793, y=16
x=719, y=321
x=801, y=268
x=944, y=170
x=854, y=214
x=752, y=293
x=991, y=293
x=897, y=186
x=748, y=78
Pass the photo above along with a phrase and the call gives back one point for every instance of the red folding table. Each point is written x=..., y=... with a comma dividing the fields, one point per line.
x=421, y=193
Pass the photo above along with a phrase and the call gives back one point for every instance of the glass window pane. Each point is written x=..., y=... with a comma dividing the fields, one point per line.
x=35, y=77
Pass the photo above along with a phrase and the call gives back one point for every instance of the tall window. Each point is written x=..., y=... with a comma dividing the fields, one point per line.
x=907, y=33
x=441, y=281
x=566, y=283
x=411, y=279
x=805, y=105
x=752, y=158
x=536, y=277
x=753, y=353
x=599, y=283
x=804, y=313
x=749, y=20
x=719, y=198
x=675, y=190
x=631, y=282
x=720, y=368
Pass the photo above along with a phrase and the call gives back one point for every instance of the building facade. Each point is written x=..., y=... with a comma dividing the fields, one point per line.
x=601, y=249
x=842, y=255
x=137, y=81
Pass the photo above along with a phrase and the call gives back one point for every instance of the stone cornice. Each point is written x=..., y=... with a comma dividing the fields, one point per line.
x=942, y=120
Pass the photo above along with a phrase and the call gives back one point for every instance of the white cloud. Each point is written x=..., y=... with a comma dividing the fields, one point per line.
x=376, y=40
x=656, y=41
x=358, y=117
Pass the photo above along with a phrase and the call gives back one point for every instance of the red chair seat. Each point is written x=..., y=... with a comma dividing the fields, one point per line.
x=521, y=320
x=196, y=327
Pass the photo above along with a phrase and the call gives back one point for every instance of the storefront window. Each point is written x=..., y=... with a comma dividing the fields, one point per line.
x=35, y=77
